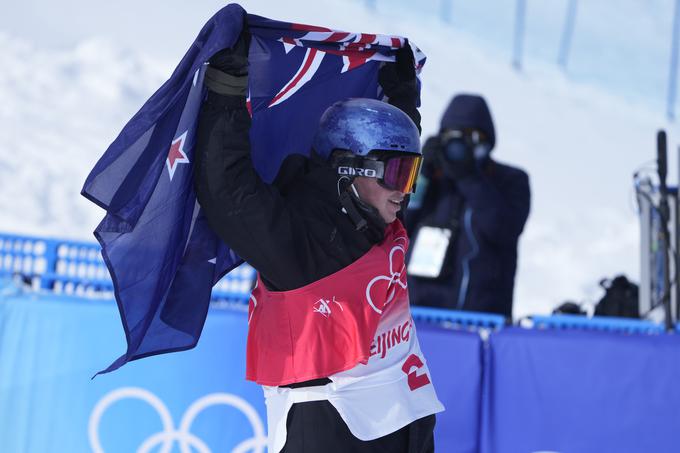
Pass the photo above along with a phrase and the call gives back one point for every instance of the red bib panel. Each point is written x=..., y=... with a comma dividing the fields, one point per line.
x=327, y=326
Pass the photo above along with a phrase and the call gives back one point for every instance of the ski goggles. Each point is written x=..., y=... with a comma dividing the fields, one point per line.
x=392, y=172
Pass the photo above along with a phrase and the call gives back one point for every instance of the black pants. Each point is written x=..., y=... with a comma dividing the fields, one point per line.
x=316, y=427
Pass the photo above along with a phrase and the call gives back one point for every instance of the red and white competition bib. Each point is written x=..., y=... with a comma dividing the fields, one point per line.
x=353, y=326
x=329, y=325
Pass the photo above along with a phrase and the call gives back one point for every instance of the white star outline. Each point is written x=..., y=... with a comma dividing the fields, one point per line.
x=181, y=160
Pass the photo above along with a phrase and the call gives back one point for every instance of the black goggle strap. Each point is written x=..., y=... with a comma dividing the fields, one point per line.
x=351, y=210
x=348, y=204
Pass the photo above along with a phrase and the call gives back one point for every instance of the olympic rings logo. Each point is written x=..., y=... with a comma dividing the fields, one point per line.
x=394, y=277
x=188, y=442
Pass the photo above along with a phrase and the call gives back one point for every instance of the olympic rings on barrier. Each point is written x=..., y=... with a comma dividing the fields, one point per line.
x=187, y=441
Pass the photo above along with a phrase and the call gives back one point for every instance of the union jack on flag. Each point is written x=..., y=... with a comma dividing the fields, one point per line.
x=162, y=256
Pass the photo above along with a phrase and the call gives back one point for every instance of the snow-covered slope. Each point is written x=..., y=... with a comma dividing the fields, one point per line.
x=62, y=105
x=59, y=111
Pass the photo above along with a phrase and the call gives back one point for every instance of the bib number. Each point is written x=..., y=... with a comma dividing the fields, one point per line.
x=411, y=367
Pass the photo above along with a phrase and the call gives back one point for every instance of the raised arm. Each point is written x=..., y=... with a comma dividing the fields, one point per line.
x=247, y=214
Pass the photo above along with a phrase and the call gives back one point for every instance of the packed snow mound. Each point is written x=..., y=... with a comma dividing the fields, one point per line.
x=580, y=145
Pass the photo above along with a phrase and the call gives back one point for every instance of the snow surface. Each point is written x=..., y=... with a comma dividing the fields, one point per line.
x=69, y=82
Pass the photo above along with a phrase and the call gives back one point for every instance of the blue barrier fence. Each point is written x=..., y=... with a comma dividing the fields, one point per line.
x=567, y=383
x=560, y=389
x=77, y=268
x=604, y=323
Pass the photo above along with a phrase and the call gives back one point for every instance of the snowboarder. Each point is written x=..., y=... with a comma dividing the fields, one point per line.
x=331, y=338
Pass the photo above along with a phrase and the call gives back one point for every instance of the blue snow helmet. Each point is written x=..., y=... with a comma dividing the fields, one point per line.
x=367, y=137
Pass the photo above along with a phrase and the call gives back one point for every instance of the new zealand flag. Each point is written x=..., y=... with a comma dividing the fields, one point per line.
x=162, y=256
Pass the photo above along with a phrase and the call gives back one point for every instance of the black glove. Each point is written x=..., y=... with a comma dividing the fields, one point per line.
x=398, y=81
x=228, y=71
x=234, y=60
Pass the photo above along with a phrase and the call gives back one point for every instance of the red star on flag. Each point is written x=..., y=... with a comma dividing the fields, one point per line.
x=176, y=154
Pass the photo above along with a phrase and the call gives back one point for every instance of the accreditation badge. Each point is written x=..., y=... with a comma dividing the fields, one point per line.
x=429, y=251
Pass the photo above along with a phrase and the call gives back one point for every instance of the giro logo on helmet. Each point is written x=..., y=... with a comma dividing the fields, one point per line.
x=368, y=172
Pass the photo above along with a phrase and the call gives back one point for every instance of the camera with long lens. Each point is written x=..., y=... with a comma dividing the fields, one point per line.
x=461, y=151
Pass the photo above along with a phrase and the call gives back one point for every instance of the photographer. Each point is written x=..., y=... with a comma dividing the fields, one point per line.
x=466, y=222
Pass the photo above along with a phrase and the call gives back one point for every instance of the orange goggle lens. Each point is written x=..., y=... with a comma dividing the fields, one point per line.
x=401, y=173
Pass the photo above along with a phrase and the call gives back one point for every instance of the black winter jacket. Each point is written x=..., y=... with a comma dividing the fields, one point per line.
x=292, y=231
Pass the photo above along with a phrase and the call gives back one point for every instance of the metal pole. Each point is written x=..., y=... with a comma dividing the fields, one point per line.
x=664, y=213
x=520, y=13
x=673, y=72
x=643, y=189
x=567, y=34
x=676, y=256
